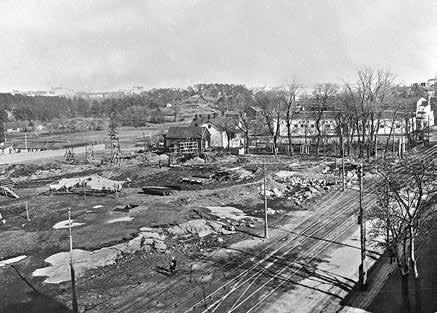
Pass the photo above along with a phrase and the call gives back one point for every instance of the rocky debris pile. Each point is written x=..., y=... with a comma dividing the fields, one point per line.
x=150, y=240
x=200, y=227
x=219, y=220
x=153, y=158
x=237, y=174
x=34, y=170
x=92, y=182
x=298, y=189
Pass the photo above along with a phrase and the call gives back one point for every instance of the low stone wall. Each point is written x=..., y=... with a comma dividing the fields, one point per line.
x=31, y=156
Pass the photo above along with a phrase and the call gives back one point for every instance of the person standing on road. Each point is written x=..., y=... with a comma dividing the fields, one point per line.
x=173, y=266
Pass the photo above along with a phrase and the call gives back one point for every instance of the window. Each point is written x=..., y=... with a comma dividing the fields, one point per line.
x=312, y=125
x=209, y=126
x=381, y=126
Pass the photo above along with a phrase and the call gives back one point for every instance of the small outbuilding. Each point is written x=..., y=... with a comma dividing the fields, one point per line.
x=187, y=139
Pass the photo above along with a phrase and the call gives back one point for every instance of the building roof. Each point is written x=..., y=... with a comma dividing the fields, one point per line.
x=186, y=132
x=256, y=109
x=222, y=123
x=313, y=114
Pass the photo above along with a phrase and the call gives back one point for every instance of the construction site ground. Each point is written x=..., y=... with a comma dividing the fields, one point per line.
x=139, y=281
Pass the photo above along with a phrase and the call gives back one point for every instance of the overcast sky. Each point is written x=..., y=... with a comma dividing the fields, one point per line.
x=112, y=44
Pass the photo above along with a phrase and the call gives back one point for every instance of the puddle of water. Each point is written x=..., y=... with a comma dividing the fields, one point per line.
x=64, y=224
x=120, y=219
x=12, y=260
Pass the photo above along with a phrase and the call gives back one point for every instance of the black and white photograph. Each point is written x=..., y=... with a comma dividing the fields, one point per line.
x=218, y=156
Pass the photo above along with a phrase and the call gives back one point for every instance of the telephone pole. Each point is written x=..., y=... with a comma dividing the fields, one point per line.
x=376, y=150
x=362, y=222
x=342, y=162
x=73, y=279
x=266, y=229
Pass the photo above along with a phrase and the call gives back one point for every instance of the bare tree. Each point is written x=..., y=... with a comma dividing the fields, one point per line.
x=271, y=102
x=345, y=122
x=323, y=97
x=404, y=214
x=368, y=95
x=289, y=92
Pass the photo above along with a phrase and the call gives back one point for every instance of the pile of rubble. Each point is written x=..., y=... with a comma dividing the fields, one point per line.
x=298, y=189
x=149, y=240
x=33, y=170
x=219, y=220
x=237, y=174
x=201, y=228
x=93, y=182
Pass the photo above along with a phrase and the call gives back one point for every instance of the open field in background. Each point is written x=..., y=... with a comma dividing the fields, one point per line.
x=128, y=136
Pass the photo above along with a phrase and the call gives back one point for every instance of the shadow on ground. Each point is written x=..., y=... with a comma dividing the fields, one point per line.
x=37, y=303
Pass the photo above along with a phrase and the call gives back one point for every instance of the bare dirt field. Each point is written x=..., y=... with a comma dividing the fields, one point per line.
x=135, y=243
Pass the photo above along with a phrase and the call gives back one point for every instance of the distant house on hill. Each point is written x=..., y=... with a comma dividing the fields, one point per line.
x=424, y=113
x=187, y=139
x=254, y=112
x=17, y=127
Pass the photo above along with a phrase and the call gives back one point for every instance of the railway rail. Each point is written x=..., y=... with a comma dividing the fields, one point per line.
x=248, y=285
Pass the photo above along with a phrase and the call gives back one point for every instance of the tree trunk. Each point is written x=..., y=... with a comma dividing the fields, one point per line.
x=290, y=143
x=404, y=293
x=275, y=145
x=417, y=285
x=246, y=135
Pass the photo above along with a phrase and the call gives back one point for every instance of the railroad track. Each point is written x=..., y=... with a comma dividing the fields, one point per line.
x=249, y=284
x=244, y=284
x=262, y=276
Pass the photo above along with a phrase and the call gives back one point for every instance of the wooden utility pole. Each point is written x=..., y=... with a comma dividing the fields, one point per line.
x=73, y=279
x=266, y=228
x=429, y=129
x=343, y=176
x=361, y=220
x=25, y=141
x=376, y=150
x=27, y=212
x=394, y=139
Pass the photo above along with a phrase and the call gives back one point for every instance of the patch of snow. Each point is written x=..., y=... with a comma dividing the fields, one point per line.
x=64, y=224
x=12, y=260
x=59, y=269
x=98, y=206
x=120, y=219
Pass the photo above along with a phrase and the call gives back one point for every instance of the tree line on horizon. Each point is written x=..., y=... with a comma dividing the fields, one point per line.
x=365, y=98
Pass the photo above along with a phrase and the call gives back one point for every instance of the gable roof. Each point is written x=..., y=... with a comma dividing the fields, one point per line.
x=222, y=123
x=186, y=132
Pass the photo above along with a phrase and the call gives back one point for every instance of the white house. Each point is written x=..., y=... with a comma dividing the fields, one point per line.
x=220, y=129
x=424, y=113
x=304, y=124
